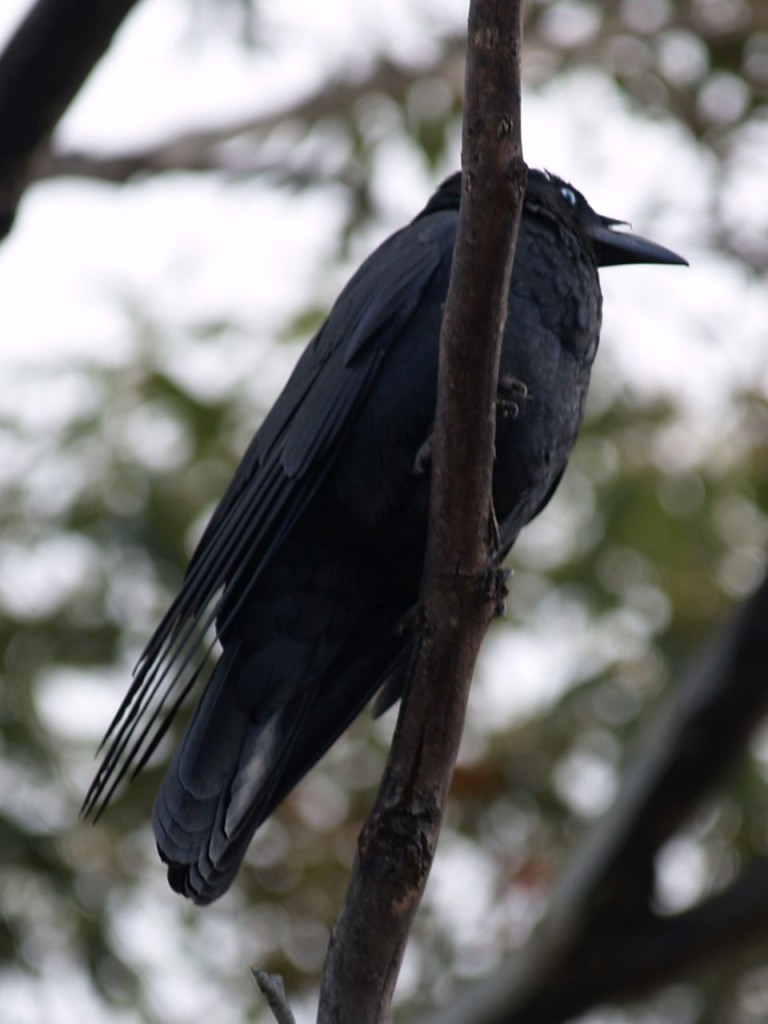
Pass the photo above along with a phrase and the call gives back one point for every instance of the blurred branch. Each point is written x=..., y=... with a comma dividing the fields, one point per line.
x=42, y=68
x=460, y=589
x=628, y=960
x=212, y=149
x=601, y=938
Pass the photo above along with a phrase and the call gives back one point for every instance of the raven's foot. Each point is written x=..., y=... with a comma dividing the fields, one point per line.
x=496, y=583
x=510, y=395
x=408, y=623
x=423, y=460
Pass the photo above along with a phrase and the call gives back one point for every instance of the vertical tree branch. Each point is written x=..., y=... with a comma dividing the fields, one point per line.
x=42, y=68
x=460, y=587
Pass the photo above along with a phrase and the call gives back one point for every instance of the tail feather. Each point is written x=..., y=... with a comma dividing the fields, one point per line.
x=229, y=772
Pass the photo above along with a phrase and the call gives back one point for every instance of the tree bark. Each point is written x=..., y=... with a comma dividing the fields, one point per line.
x=461, y=584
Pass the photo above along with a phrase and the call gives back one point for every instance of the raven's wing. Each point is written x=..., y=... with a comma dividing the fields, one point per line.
x=279, y=474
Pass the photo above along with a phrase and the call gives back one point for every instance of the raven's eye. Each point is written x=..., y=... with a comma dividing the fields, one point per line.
x=568, y=195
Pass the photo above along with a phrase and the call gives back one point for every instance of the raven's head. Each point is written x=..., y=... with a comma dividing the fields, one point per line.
x=611, y=247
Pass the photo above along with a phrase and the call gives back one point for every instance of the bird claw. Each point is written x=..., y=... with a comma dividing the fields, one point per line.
x=510, y=394
x=498, y=579
x=423, y=460
x=406, y=625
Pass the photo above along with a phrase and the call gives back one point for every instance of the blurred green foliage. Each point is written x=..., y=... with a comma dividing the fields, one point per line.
x=107, y=475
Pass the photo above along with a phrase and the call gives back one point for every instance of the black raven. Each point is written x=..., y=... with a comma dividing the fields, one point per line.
x=309, y=569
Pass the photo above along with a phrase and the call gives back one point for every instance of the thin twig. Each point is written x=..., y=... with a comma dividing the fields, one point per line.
x=273, y=990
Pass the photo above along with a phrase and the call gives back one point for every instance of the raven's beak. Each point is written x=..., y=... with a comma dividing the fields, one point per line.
x=616, y=247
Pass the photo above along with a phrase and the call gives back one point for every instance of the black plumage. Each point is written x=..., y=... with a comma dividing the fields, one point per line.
x=311, y=563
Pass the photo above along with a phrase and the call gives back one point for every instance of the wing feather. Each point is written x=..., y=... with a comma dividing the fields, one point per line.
x=277, y=478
